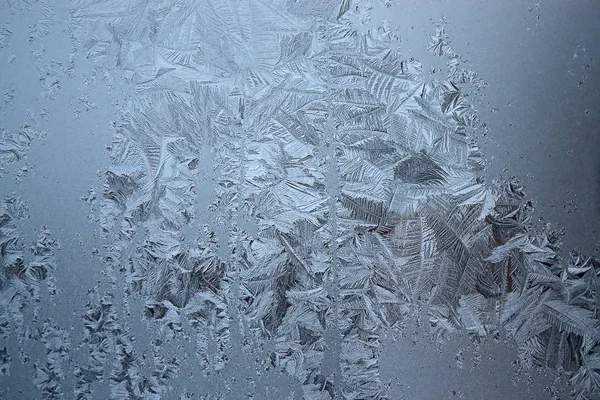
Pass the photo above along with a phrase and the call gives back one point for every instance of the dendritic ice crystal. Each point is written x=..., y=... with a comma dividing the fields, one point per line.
x=282, y=188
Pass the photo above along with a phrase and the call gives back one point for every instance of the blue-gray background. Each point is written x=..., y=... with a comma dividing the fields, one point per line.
x=540, y=60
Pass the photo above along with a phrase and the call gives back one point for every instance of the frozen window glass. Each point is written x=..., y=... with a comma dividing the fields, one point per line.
x=286, y=199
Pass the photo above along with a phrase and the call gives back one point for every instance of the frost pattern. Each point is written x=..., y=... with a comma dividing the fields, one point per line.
x=283, y=184
x=355, y=173
x=14, y=145
x=26, y=285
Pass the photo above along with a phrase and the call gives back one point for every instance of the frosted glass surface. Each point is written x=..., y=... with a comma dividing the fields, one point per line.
x=268, y=199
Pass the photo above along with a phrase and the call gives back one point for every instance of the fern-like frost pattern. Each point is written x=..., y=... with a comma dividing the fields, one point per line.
x=283, y=187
